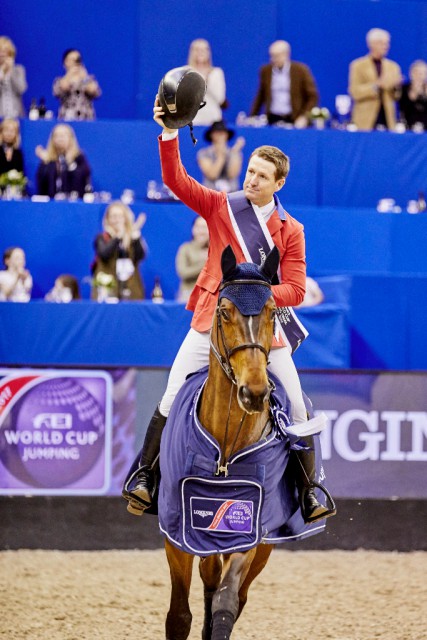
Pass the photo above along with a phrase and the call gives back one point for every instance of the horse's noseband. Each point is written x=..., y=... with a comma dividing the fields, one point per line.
x=224, y=361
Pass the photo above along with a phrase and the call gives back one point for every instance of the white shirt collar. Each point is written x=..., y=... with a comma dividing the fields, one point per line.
x=267, y=210
x=285, y=69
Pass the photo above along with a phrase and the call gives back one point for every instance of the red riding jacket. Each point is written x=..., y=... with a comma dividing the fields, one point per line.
x=288, y=236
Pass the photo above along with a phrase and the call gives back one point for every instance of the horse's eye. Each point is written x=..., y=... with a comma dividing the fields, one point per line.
x=224, y=314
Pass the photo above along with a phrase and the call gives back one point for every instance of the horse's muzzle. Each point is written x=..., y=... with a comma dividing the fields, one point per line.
x=253, y=400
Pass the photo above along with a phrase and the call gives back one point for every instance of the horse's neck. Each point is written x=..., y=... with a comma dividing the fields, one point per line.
x=217, y=408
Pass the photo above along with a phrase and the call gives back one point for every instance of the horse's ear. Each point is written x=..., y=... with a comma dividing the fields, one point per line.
x=228, y=262
x=271, y=263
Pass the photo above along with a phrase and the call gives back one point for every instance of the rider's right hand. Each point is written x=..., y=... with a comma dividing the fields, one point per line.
x=157, y=116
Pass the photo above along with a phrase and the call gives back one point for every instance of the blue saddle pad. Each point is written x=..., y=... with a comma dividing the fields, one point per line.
x=205, y=513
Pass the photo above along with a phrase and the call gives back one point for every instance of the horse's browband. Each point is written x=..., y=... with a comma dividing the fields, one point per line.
x=234, y=282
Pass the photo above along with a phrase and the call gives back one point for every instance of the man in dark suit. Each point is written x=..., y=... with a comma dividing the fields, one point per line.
x=286, y=88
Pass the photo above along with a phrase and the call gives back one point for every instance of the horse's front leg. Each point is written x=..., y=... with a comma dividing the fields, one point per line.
x=210, y=572
x=178, y=619
x=262, y=555
x=225, y=603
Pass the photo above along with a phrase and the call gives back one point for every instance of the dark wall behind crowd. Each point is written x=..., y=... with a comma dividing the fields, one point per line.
x=130, y=44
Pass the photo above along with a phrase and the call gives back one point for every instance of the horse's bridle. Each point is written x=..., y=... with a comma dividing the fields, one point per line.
x=224, y=360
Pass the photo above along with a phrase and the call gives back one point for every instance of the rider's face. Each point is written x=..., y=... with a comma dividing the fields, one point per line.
x=260, y=182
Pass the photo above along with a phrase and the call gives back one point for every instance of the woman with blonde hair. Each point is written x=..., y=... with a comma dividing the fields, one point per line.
x=200, y=59
x=11, y=156
x=119, y=250
x=13, y=82
x=63, y=167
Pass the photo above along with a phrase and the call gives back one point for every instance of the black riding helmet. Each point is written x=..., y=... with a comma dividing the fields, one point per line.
x=181, y=93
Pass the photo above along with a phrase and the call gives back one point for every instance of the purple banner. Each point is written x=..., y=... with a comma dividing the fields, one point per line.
x=55, y=432
x=74, y=432
x=375, y=445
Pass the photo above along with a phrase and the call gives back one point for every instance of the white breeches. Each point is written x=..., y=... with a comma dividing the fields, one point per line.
x=194, y=354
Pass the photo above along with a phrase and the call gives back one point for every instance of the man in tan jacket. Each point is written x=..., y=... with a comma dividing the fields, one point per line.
x=374, y=84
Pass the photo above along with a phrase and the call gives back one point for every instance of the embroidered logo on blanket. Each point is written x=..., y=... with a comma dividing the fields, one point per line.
x=219, y=515
x=228, y=516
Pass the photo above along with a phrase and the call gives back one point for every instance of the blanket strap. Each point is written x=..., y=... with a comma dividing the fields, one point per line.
x=197, y=461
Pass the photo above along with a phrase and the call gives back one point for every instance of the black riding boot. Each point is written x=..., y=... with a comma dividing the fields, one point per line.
x=142, y=481
x=305, y=476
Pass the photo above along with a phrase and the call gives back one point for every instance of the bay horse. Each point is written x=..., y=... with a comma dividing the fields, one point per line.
x=233, y=408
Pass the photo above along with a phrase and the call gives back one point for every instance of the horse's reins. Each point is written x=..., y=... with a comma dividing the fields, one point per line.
x=223, y=468
x=224, y=361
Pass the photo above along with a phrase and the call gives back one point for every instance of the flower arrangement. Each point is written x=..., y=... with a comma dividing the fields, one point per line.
x=320, y=112
x=105, y=280
x=105, y=285
x=318, y=116
x=13, y=178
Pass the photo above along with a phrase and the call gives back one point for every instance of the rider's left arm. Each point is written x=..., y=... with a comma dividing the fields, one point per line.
x=291, y=291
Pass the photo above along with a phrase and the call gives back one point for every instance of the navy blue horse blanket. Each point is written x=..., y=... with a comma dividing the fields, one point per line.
x=204, y=513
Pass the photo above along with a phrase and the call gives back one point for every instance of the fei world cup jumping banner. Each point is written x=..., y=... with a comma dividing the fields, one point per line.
x=77, y=432
x=55, y=432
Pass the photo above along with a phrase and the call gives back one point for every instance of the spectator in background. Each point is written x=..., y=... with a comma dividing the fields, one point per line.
x=63, y=168
x=374, y=84
x=219, y=163
x=191, y=257
x=11, y=156
x=313, y=294
x=16, y=282
x=76, y=90
x=287, y=89
x=65, y=289
x=13, y=82
x=413, y=101
x=200, y=58
x=119, y=250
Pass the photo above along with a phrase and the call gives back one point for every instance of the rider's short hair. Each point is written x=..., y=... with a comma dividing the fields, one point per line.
x=277, y=157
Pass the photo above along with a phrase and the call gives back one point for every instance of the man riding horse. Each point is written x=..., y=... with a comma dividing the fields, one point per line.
x=251, y=222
